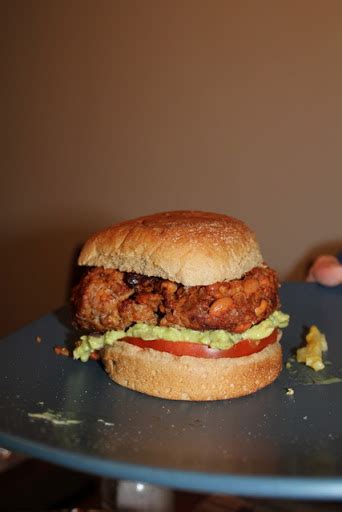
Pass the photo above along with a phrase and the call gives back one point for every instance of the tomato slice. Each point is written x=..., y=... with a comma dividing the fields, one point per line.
x=187, y=348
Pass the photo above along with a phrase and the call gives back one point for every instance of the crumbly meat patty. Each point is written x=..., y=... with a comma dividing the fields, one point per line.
x=109, y=299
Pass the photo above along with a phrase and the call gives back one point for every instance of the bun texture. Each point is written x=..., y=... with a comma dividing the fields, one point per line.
x=189, y=247
x=164, y=375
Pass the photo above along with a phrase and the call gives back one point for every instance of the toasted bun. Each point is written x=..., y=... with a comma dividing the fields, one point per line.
x=164, y=375
x=189, y=247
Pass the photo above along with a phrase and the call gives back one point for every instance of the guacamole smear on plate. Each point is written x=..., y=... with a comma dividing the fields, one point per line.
x=218, y=339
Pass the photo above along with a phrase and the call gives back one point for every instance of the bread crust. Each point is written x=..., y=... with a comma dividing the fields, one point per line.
x=164, y=375
x=188, y=247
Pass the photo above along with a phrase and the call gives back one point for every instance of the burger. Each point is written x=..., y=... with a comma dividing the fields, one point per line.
x=180, y=305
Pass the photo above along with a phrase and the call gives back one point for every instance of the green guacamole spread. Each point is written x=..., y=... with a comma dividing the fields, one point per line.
x=219, y=339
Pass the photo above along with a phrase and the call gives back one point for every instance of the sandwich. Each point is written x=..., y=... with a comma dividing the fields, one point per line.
x=180, y=305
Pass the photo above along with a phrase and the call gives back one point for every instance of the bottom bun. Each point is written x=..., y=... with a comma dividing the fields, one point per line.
x=164, y=375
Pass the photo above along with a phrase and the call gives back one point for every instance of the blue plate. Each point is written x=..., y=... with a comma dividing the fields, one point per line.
x=269, y=444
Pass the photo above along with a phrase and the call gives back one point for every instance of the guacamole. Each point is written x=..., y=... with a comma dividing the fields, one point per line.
x=218, y=339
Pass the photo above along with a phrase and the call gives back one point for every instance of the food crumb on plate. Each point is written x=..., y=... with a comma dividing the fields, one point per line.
x=62, y=351
x=311, y=354
x=55, y=418
x=106, y=423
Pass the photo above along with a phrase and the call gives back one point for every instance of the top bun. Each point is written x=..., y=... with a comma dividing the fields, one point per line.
x=188, y=247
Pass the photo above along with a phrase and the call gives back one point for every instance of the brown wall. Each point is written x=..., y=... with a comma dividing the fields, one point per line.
x=118, y=108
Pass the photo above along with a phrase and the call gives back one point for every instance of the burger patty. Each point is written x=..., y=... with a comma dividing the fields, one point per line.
x=108, y=299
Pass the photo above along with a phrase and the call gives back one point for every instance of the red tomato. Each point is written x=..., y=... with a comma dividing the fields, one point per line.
x=187, y=348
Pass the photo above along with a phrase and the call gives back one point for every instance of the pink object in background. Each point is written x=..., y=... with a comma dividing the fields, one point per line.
x=326, y=270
